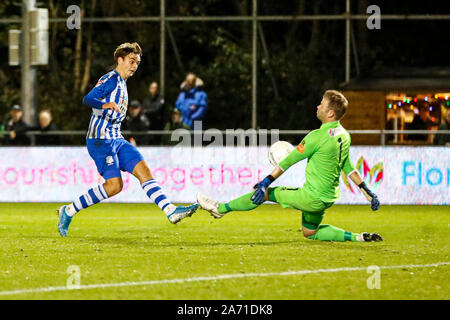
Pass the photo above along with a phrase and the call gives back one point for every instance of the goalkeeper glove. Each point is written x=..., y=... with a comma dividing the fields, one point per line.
x=374, y=203
x=261, y=187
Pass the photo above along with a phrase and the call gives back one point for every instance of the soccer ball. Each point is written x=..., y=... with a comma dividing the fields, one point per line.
x=278, y=151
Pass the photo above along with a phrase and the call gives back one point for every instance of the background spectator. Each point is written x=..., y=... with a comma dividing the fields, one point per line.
x=136, y=120
x=18, y=128
x=192, y=100
x=421, y=121
x=154, y=107
x=176, y=122
x=46, y=124
x=443, y=139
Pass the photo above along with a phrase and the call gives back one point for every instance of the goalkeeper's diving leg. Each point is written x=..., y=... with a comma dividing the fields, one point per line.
x=312, y=229
x=248, y=201
x=218, y=210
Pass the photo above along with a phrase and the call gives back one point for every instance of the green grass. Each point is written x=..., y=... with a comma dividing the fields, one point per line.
x=113, y=243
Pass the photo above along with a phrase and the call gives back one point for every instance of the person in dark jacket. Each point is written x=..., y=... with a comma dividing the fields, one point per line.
x=136, y=120
x=46, y=124
x=422, y=121
x=192, y=100
x=176, y=122
x=155, y=111
x=153, y=106
x=17, y=127
x=443, y=139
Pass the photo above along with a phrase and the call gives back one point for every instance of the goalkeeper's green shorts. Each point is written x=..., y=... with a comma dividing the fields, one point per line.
x=312, y=208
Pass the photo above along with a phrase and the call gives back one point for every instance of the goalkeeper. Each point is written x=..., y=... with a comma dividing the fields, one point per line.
x=327, y=151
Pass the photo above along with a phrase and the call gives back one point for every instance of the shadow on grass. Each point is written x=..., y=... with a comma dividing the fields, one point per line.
x=358, y=246
x=150, y=242
x=164, y=239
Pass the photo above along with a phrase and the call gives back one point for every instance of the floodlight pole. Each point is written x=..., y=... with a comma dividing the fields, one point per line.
x=254, y=62
x=28, y=72
x=347, y=41
x=162, y=52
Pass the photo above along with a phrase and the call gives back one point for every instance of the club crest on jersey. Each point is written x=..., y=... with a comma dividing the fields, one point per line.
x=109, y=160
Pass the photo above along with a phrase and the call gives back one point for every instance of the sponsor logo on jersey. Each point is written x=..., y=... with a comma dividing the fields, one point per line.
x=301, y=146
x=123, y=106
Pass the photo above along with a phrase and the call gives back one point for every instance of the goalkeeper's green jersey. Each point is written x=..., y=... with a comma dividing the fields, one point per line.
x=327, y=151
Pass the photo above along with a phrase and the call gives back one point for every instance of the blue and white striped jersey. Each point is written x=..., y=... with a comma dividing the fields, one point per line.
x=105, y=123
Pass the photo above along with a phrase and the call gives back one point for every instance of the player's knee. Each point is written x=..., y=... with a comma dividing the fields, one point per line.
x=113, y=186
x=118, y=186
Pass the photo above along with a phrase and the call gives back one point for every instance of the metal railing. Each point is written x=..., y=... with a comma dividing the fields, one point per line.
x=242, y=133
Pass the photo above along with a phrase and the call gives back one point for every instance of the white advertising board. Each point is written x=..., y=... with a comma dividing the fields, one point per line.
x=399, y=175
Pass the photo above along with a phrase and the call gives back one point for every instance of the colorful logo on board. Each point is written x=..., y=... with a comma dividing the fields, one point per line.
x=371, y=176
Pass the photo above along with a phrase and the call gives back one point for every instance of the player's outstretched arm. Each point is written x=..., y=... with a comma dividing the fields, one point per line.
x=373, y=199
x=261, y=187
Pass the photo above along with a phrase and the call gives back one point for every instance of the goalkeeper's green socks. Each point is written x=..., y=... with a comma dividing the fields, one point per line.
x=328, y=232
x=243, y=203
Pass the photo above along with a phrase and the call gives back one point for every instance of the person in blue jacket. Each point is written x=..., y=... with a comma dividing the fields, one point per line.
x=192, y=100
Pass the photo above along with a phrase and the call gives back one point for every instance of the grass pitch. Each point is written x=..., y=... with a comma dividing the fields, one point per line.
x=123, y=243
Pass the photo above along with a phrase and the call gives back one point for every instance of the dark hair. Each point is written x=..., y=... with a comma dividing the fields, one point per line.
x=125, y=49
x=336, y=102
